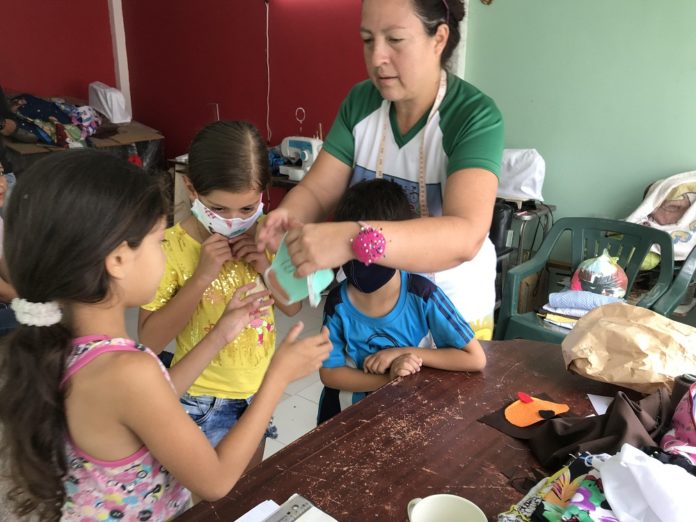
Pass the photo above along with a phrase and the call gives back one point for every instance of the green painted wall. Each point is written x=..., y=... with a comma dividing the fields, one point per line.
x=604, y=89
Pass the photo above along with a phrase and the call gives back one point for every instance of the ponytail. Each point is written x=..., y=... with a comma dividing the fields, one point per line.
x=67, y=213
x=32, y=413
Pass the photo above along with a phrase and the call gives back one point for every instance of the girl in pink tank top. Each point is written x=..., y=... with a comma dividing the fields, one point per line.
x=92, y=424
x=137, y=487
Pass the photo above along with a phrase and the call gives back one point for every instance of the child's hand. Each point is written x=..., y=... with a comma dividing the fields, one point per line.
x=296, y=358
x=244, y=247
x=215, y=251
x=380, y=362
x=241, y=310
x=271, y=230
x=406, y=364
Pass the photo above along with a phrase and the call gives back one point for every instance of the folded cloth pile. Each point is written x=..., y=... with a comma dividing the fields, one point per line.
x=565, y=308
x=55, y=121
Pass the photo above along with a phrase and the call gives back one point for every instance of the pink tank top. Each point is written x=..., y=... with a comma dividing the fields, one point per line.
x=136, y=487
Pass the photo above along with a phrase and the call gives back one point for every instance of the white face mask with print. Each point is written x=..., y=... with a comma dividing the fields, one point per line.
x=217, y=224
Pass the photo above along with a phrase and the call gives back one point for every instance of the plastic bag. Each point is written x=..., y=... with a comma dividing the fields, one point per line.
x=110, y=102
x=601, y=275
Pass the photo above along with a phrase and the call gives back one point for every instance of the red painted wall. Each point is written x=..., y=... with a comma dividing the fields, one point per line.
x=184, y=56
x=55, y=48
x=316, y=57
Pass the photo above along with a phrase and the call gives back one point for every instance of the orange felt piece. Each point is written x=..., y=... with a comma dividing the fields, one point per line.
x=525, y=414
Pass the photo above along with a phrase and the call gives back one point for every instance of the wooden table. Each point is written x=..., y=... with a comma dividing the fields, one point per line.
x=412, y=438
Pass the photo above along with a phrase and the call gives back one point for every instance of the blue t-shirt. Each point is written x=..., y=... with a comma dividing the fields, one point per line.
x=422, y=308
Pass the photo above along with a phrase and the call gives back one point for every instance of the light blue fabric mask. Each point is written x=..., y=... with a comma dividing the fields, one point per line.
x=289, y=289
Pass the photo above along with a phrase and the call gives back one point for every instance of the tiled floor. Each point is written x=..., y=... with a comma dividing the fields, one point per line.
x=297, y=411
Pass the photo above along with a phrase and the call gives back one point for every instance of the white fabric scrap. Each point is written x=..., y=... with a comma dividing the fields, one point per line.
x=640, y=488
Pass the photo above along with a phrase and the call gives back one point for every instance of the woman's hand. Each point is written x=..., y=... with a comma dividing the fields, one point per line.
x=272, y=229
x=242, y=309
x=296, y=358
x=406, y=364
x=215, y=251
x=316, y=246
x=244, y=247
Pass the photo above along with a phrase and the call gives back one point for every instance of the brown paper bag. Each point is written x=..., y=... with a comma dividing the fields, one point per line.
x=630, y=346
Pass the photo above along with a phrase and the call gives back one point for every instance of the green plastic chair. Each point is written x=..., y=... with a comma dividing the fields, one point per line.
x=674, y=295
x=589, y=237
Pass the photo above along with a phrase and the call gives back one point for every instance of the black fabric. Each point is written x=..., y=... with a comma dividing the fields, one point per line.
x=166, y=358
x=626, y=421
x=639, y=423
x=8, y=321
x=671, y=458
x=498, y=421
x=367, y=278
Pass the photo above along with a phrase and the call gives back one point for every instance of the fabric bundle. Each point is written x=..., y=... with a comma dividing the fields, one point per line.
x=628, y=486
x=55, y=121
x=565, y=308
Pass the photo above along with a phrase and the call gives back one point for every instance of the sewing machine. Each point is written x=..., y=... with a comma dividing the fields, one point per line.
x=299, y=149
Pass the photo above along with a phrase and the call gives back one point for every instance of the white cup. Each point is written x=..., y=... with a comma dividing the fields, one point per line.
x=444, y=508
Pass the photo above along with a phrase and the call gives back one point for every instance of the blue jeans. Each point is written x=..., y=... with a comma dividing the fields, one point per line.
x=8, y=322
x=216, y=416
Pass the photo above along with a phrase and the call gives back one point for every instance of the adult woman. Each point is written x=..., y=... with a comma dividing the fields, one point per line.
x=436, y=135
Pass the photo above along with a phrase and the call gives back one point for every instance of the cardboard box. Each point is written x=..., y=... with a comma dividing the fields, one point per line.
x=128, y=133
x=24, y=154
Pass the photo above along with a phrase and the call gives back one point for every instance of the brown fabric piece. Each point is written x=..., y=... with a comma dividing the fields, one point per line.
x=639, y=423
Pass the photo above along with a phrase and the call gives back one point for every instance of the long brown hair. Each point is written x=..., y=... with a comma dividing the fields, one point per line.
x=230, y=156
x=67, y=212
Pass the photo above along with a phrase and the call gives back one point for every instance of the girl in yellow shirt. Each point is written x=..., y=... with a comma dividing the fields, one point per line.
x=210, y=254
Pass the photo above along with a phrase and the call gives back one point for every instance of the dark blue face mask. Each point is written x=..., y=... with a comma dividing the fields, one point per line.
x=367, y=278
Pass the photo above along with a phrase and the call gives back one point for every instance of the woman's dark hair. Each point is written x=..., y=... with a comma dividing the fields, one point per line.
x=67, y=212
x=434, y=13
x=376, y=199
x=228, y=155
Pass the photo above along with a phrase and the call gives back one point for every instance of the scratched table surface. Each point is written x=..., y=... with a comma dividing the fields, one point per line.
x=414, y=437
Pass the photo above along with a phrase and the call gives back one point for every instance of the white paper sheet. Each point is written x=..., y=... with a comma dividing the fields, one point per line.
x=600, y=403
x=260, y=513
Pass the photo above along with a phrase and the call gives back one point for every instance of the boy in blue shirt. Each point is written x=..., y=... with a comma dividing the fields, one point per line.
x=385, y=323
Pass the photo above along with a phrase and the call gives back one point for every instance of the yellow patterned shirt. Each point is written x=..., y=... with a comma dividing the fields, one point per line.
x=236, y=372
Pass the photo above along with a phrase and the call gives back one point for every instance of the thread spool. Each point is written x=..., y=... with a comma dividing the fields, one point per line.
x=682, y=383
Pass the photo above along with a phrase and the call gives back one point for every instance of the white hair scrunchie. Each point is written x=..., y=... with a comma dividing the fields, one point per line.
x=36, y=314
